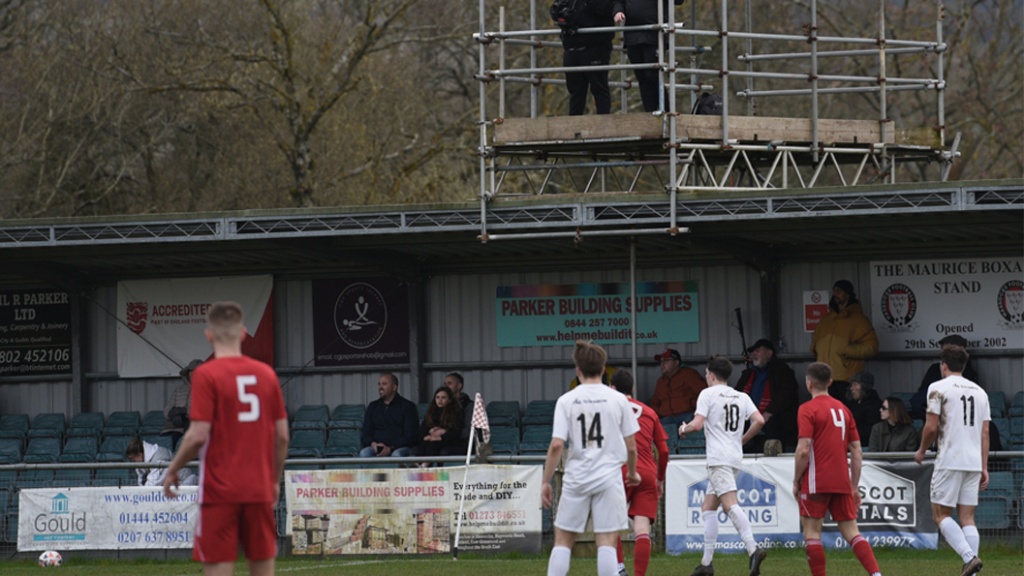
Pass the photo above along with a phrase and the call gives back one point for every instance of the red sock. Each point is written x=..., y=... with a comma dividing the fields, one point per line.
x=641, y=554
x=816, y=557
x=864, y=553
x=618, y=550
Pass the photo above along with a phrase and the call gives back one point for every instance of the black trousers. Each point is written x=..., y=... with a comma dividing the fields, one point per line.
x=577, y=82
x=648, y=79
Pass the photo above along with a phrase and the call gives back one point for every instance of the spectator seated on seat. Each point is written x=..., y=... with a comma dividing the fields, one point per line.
x=441, y=427
x=390, y=423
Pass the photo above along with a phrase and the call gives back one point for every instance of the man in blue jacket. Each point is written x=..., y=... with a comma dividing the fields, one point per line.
x=390, y=423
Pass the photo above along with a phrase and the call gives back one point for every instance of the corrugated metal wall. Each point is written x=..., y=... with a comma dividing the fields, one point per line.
x=460, y=335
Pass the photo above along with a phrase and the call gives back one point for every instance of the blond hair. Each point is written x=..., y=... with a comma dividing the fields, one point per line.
x=224, y=321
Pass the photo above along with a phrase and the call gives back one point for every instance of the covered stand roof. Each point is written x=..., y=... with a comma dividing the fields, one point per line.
x=923, y=220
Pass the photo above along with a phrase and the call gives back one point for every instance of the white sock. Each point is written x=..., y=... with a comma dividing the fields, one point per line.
x=621, y=566
x=742, y=524
x=954, y=536
x=973, y=538
x=558, y=562
x=607, y=560
x=710, y=536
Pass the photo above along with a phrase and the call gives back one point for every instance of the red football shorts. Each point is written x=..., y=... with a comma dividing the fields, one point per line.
x=842, y=506
x=222, y=527
x=643, y=498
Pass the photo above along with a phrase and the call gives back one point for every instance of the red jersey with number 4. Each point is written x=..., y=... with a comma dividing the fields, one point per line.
x=651, y=433
x=242, y=400
x=830, y=426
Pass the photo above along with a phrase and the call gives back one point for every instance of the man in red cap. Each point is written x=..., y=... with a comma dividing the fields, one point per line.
x=676, y=392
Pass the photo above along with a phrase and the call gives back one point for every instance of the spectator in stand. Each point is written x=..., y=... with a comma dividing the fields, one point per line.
x=642, y=46
x=675, y=394
x=588, y=49
x=441, y=427
x=895, y=433
x=864, y=403
x=771, y=384
x=918, y=401
x=455, y=382
x=390, y=423
x=844, y=338
x=176, y=409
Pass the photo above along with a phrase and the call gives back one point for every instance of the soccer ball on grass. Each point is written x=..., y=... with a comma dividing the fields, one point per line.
x=50, y=558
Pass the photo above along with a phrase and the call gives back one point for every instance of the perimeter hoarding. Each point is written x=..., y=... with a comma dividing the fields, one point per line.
x=895, y=509
x=105, y=518
x=560, y=314
x=413, y=511
x=915, y=303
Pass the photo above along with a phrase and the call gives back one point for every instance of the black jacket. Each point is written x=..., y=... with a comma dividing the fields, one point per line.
x=638, y=13
x=784, y=403
x=394, y=424
x=866, y=413
x=595, y=14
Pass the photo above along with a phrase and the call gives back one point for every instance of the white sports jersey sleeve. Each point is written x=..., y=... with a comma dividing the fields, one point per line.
x=594, y=421
x=963, y=408
x=724, y=410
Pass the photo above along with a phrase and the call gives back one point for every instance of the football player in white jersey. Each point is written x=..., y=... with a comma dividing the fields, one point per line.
x=721, y=412
x=958, y=413
x=595, y=424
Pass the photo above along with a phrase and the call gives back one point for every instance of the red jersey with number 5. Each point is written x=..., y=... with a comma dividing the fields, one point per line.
x=830, y=426
x=241, y=399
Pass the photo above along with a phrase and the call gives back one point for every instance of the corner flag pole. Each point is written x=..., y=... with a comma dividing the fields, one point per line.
x=479, y=421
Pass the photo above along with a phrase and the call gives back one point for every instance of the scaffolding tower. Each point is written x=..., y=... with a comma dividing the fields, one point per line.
x=527, y=153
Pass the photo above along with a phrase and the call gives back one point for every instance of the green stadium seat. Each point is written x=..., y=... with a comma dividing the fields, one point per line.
x=421, y=410
x=72, y=478
x=14, y=426
x=122, y=423
x=86, y=424
x=1017, y=406
x=993, y=512
x=306, y=444
x=42, y=450
x=536, y=439
x=10, y=450
x=347, y=416
x=11, y=529
x=539, y=412
x=79, y=449
x=48, y=425
x=997, y=402
x=503, y=413
x=160, y=440
x=311, y=417
x=152, y=423
x=39, y=478
x=505, y=440
x=342, y=442
x=672, y=431
x=112, y=449
x=694, y=443
x=114, y=477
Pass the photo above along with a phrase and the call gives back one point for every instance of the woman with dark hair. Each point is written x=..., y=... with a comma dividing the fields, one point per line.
x=442, y=425
x=895, y=433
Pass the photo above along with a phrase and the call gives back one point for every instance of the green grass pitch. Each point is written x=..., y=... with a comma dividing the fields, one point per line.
x=999, y=561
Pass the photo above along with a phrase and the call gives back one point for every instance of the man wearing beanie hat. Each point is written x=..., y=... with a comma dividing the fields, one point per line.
x=844, y=338
x=864, y=403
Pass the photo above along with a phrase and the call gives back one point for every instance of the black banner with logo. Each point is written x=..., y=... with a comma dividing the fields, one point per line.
x=358, y=322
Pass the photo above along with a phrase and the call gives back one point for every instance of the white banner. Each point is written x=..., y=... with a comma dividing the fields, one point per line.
x=413, y=511
x=105, y=519
x=894, y=511
x=915, y=303
x=161, y=322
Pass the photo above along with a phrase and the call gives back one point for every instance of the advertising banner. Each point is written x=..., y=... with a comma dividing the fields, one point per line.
x=413, y=511
x=360, y=322
x=895, y=509
x=161, y=322
x=560, y=314
x=915, y=303
x=105, y=518
x=35, y=332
